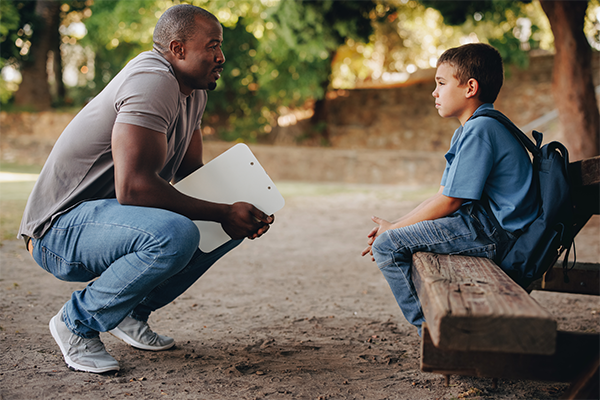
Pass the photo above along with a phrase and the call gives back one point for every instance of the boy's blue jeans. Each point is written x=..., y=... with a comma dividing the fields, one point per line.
x=467, y=232
x=141, y=259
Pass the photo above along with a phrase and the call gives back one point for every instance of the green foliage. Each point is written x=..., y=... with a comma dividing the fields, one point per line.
x=278, y=52
x=291, y=58
x=457, y=13
x=18, y=22
x=9, y=20
x=281, y=70
x=19, y=31
x=510, y=48
x=117, y=31
x=5, y=91
x=501, y=14
x=279, y=57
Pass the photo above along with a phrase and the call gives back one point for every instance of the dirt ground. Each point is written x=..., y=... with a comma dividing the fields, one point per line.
x=297, y=314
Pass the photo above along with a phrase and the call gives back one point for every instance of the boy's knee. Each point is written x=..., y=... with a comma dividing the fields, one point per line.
x=382, y=248
x=386, y=250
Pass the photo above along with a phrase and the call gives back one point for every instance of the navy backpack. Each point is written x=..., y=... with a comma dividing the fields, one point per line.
x=541, y=243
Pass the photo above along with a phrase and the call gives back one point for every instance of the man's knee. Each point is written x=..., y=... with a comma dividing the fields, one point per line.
x=179, y=236
x=187, y=233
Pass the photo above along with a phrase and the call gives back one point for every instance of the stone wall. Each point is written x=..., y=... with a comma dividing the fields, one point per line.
x=27, y=138
x=405, y=117
x=318, y=164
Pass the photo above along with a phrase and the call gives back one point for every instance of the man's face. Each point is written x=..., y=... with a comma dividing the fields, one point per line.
x=450, y=95
x=203, y=59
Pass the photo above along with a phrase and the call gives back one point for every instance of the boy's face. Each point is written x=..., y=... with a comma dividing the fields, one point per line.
x=451, y=98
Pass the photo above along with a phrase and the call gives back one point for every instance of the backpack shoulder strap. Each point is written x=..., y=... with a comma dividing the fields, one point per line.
x=533, y=148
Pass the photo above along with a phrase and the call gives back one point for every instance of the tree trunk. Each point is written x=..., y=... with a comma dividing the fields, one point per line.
x=57, y=69
x=572, y=82
x=34, y=90
x=321, y=109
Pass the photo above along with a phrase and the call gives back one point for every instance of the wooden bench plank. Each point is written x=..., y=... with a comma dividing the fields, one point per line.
x=585, y=172
x=575, y=354
x=584, y=278
x=585, y=189
x=471, y=304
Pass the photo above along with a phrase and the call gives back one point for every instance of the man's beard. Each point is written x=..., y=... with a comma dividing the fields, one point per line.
x=212, y=86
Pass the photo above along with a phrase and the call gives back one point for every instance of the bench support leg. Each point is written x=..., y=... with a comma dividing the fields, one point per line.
x=574, y=354
x=587, y=385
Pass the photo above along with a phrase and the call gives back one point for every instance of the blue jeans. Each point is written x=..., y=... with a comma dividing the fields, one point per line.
x=141, y=259
x=467, y=232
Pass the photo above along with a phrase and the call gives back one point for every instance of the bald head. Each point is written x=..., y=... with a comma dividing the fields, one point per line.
x=178, y=23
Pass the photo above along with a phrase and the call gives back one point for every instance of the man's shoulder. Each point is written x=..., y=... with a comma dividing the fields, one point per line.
x=148, y=66
x=147, y=73
x=149, y=58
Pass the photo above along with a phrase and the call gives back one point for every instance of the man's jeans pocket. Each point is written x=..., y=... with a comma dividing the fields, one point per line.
x=63, y=269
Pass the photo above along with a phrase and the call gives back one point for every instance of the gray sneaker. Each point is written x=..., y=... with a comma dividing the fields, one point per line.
x=139, y=335
x=81, y=354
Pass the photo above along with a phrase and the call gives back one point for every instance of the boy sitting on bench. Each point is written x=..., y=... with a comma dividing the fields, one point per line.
x=485, y=163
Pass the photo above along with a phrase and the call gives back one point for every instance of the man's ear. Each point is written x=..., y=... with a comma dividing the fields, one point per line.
x=177, y=49
x=472, y=88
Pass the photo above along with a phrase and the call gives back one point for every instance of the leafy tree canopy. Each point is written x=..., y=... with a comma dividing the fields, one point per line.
x=9, y=23
x=278, y=52
x=457, y=13
x=501, y=14
x=282, y=54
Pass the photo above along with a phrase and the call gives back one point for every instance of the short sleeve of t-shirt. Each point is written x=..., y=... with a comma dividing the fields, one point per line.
x=148, y=98
x=468, y=163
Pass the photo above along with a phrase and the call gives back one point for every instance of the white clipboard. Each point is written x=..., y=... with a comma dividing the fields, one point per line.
x=235, y=175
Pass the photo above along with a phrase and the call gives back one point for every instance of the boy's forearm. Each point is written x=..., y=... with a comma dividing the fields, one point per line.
x=437, y=206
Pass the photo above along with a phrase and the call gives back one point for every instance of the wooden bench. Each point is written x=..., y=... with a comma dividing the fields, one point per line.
x=481, y=323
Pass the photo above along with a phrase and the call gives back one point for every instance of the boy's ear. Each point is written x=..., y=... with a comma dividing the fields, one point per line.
x=472, y=88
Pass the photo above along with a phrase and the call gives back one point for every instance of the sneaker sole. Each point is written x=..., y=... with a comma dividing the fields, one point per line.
x=70, y=363
x=127, y=339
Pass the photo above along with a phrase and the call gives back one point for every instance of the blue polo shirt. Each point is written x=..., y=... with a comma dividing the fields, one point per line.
x=484, y=157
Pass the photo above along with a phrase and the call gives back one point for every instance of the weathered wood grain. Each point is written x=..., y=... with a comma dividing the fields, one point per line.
x=471, y=304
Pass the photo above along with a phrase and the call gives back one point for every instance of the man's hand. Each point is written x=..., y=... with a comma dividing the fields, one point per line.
x=383, y=226
x=139, y=155
x=244, y=220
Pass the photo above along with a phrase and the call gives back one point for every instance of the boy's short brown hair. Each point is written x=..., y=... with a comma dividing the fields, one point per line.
x=479, y=61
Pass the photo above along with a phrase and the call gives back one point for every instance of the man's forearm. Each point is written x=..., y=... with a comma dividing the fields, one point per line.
x=158, y=193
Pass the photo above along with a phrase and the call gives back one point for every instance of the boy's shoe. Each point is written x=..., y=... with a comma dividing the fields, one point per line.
x=139, y=335
x=81, y=354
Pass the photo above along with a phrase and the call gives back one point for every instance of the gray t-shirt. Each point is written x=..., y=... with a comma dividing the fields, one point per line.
x=80, y=167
